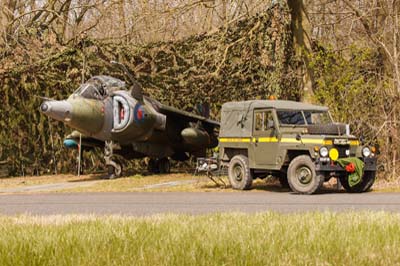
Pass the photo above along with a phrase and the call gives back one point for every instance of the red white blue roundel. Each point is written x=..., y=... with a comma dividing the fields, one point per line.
x=121, y=112
x=138, y=113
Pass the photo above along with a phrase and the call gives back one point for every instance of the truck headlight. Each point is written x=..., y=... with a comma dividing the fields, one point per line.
x=366, y=152
x=323, y=151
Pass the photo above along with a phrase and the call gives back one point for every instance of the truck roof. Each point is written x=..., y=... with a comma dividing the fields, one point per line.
x=276, y=104
x=236, y=117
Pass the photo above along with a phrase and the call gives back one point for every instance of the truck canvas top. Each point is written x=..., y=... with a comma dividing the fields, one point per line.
x=236, y=117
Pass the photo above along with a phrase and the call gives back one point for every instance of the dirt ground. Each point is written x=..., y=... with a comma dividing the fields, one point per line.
x=138, y=182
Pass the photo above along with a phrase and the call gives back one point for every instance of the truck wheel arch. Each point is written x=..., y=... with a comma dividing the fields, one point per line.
x=291, y=154
x=229, y=153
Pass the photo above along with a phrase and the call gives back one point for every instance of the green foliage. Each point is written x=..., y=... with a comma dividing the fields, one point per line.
x=251, y=59
x=219, y=239
x=348, y=84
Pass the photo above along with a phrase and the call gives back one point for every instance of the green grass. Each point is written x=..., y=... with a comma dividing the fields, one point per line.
x=218, y=239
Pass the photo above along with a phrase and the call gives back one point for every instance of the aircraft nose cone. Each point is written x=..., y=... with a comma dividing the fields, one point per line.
x=59, y=110
x=44, y=107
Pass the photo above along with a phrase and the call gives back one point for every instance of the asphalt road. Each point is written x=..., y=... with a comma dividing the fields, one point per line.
x=147, y=203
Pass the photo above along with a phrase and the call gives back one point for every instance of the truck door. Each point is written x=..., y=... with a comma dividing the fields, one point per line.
x=265, y=140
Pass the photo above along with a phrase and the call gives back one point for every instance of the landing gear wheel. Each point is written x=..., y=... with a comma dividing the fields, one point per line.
x=302, y=177
x=152, y=166
x=114, y=168
x=164, y=166
x=114, y=171
x=239, y=173
x=366, y=183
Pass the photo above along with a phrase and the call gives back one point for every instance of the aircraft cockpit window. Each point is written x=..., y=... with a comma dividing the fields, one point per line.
x=91, y=91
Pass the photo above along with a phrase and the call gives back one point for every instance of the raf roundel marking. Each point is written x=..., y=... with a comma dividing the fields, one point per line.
x=138, y=113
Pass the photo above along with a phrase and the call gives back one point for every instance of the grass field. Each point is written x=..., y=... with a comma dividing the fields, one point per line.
x=218, y=239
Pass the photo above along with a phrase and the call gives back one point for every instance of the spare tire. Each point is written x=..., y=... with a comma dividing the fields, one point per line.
x=327, y=129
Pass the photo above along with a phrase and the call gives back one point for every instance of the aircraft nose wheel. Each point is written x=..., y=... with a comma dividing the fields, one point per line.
x=114, y=169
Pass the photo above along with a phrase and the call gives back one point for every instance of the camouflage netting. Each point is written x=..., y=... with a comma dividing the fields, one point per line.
x=252, y=58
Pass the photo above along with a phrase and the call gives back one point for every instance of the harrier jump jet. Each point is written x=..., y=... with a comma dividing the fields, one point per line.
x=127, y=123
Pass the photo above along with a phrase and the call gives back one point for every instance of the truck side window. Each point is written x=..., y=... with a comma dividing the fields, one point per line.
x=263, y=119
x=259, y=121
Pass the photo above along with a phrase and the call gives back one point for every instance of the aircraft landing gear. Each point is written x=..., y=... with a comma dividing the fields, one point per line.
x=113, y=167
x=159, y=166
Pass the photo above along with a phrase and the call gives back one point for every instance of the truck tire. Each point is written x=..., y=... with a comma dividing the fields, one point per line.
x=239, y=173
x=365, y=184
x=302, y=177
x=283, y=180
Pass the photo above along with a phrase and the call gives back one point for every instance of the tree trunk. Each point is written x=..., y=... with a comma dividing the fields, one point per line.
x=300, y=27
x=7, y=15
x=121, y=7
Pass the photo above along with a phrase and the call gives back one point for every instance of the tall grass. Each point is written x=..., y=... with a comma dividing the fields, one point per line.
x=217, y=239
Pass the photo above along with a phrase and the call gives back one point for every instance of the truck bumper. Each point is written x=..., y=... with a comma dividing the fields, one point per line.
x=369, y=165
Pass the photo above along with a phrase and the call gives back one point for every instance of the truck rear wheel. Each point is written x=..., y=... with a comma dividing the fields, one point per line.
x=283, y=180
x=366, y=183
x=302, y=177
x=239, y=173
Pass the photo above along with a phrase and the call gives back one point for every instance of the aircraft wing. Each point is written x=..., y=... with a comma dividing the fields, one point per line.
x=168, y=110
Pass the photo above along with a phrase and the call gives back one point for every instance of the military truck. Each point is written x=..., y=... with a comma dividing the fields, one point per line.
x=297, y=142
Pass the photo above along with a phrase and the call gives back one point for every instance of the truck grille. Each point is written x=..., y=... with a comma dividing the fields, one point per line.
x=342, y=151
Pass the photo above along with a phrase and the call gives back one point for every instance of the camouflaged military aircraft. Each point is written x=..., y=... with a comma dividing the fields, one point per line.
x=130, y=124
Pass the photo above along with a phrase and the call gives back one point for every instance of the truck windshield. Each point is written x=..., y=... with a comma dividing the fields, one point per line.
x=317, y=117
x=290, y=118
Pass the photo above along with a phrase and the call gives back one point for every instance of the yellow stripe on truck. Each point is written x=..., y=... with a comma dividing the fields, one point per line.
x=284, y=140
x=234, y=140
x=354, y=143
x=305, y=141
x=272, y=140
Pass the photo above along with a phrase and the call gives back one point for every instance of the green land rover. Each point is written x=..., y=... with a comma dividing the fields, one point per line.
x=297, y=142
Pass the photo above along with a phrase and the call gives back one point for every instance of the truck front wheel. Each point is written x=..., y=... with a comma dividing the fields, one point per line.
x=239, y=173
x=302, y=177
x=366, y=183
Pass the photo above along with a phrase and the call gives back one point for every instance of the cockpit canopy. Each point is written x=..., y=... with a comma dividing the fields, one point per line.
x=99, y=87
